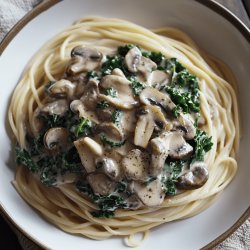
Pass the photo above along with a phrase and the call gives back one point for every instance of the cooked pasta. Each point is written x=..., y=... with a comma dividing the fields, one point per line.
x=214, y=117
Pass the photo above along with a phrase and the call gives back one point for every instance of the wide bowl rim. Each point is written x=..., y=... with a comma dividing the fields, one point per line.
x=46, y=4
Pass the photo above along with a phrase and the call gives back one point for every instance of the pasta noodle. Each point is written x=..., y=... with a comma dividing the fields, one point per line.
x=67, y=208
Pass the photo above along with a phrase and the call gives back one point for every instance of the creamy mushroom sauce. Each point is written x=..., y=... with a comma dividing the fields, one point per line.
x=123, y=128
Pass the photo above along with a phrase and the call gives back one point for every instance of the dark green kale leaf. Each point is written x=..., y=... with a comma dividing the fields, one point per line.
x=111, y=63
x=136, y=86
x=171, y=172
x=92, y=75
x=107, y=204
x=116, y=117
x=112, y=144
x=156, y=57
x=177, y=110
x=83, y=128
x=102, y=105
x=187, y=101
x=202, y=144
x=173, y=66
x=111, y=92
x=123, y=50
x=23, y=157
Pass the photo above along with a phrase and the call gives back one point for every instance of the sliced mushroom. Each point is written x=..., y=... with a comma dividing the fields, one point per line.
x=105, y=114
x=151, y=194
x=152, y=96
x=84, y=59
x=125, y=98
x=147, y=121
x=185, y=125
x=56, y=139
x=133, y=202
x=110, y=167
x=135, y=165
x=90, y=94
x=58, y=107
x=111, y=130
x=195, y=178
x=62, y=88
x=88, y=150
x=79, y=108
x=101, y=184
x=167, y=144
x=135, y=62
x=158, y=79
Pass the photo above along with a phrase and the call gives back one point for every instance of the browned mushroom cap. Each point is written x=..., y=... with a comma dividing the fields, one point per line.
x=101, y=184
x=135, y=165
x=56, y=139
x=135, y=62
x=195, y=178
x=151, y=194
x=62, y=88
x=84, y=59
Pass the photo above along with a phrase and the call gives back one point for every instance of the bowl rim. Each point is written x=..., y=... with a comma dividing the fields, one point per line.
x=46, y=4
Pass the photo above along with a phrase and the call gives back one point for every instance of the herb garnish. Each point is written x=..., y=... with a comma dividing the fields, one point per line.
x=111, y=92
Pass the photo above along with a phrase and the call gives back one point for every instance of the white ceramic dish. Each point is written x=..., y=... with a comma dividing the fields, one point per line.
x=213, y=32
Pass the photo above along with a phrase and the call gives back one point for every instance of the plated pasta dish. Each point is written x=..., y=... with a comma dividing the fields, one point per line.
x=119, y=129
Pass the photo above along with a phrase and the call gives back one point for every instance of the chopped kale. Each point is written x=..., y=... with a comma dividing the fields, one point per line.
x=171, y=171
x=111, y=63
x=136, y=86
x=116, y=117
x=83, y=128
x=107, y=204
x=24, y=158
x=123, y=50
x=156, y=57
x=112, y=144
x=173, y=66
x=202, y=144
x=92, y=75
x=177, y=110
x=102, y=105
x=48, y=85
x=111, y=92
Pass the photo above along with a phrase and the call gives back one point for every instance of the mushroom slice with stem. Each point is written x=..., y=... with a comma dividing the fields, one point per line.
x=195, y=178
x=109, y=167
x=79, y=108
x=135, y=62
x=185, y=125
x=111, y=130
x=167, y=144
x=158, y=79
x=152, y=96
x=151, y=194
x=62, y=88
x=122, y=96
x=101, y=184
x=56, y=139
x=58, y=107
x=88, y=150
x=149, y=117
x=135, y=165
x=84, y=59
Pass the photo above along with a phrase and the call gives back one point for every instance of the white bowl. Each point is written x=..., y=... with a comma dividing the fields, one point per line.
x=214, y=30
